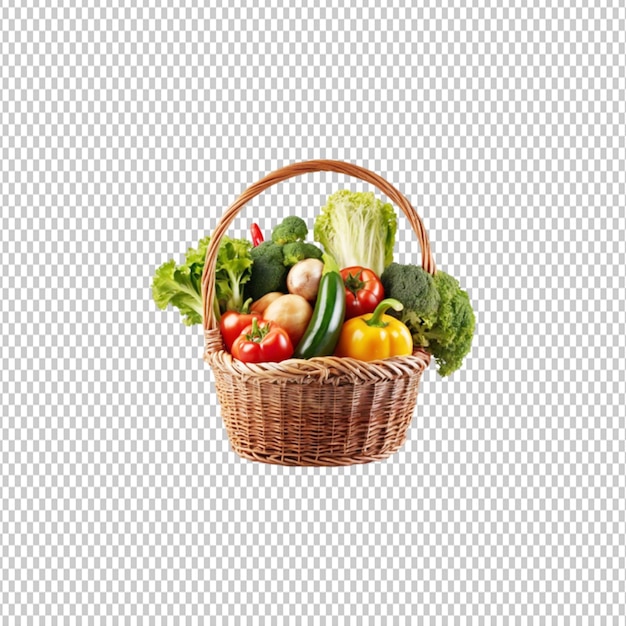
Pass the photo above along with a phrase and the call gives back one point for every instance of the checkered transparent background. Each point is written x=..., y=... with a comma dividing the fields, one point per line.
x=126, y=130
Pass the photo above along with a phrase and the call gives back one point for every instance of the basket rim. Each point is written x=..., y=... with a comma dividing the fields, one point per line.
x=330, y=370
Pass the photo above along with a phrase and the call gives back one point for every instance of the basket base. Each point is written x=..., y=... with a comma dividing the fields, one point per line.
x=304, y=461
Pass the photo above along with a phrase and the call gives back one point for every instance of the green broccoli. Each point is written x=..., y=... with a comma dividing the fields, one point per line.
x=299, y=250
x=292, y=228
x=437, y=312
x=414, y=287
x=450, y=338
x=271, y=260
x=268, y=271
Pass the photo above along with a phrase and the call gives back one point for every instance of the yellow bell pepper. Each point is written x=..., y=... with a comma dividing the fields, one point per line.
x=375, y=335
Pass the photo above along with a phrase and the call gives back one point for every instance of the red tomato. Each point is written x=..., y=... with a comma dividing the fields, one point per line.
x=363, y=290
x=231, y=325
x=262, y=342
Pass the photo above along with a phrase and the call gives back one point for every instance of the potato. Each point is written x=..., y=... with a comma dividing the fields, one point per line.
x=304, y=278
x=262, y=303
x=291, y=312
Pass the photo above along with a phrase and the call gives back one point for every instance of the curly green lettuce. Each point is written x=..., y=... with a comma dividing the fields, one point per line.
x=180, y=285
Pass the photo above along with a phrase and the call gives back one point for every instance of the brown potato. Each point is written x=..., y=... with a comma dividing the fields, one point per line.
x=291, y=312
x=262, y=303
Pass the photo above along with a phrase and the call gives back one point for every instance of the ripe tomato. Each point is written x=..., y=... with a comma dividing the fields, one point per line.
x=363, y=290
x=231, y=325
x=262, y=342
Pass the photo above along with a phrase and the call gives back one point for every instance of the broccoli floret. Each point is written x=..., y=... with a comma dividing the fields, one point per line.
x=450, y=338
x=299, y=250
x=292, y=228
x=271, y=260
x=414, y=287
x=437, y=312
x=268, y=271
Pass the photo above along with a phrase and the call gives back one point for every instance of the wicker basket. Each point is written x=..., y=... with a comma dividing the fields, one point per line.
x=322, y=411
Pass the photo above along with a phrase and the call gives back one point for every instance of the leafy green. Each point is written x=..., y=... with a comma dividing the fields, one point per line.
x=232, y=272
x=172, y=285
x=180, y=285
x=357, y=228
x=450, y=337
x=436, y=310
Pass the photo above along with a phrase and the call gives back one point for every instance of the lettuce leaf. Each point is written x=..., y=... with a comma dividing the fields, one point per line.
x=356, y=228
x=180, y=285
x=233, y=270
x=175, y=286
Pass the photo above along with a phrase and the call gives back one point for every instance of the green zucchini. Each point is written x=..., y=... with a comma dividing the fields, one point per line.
x=322, y=333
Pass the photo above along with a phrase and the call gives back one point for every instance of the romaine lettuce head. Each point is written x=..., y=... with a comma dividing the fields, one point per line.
x=356, y=228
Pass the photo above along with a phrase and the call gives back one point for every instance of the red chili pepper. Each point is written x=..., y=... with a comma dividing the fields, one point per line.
x=363, y=290
x=257, y=235
x=262, y=342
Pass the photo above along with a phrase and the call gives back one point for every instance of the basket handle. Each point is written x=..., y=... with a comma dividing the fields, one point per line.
x=289, y=171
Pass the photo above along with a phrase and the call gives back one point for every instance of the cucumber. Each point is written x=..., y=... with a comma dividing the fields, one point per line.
x=322, y=333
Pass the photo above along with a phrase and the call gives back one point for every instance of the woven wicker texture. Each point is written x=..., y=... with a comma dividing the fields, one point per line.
x=321, y=411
